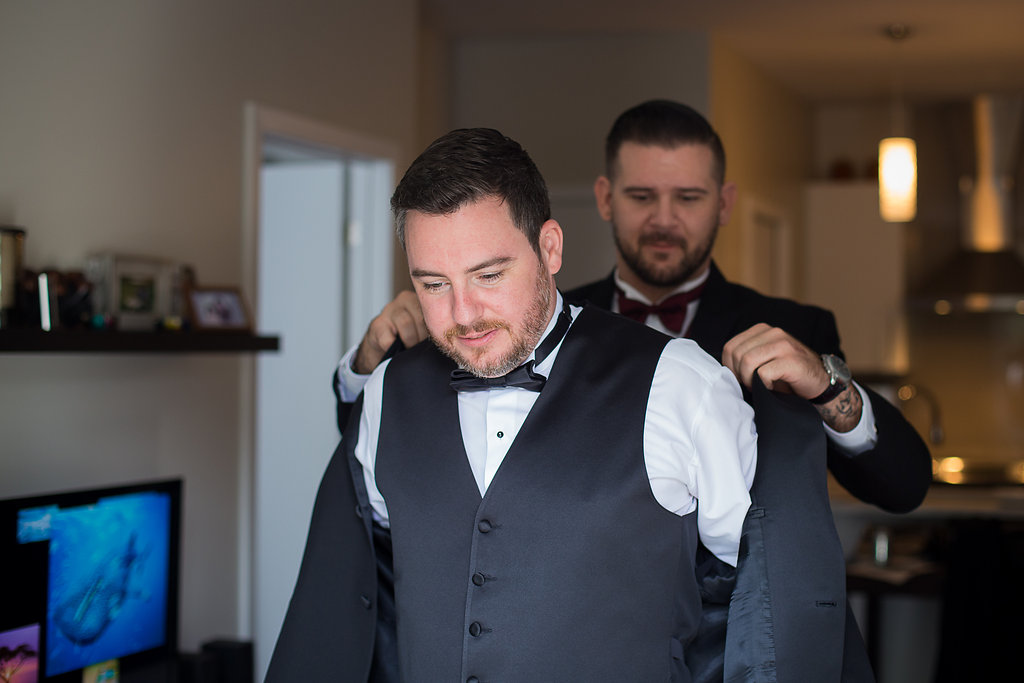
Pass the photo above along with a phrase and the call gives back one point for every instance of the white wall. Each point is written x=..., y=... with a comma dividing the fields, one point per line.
x=121, y=128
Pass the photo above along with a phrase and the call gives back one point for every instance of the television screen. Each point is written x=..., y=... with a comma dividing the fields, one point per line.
x=92, y=577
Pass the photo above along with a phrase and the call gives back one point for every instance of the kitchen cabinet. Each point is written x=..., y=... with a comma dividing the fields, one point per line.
x=854, y=266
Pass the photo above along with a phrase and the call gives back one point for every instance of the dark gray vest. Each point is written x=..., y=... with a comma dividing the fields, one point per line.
x=568, y=568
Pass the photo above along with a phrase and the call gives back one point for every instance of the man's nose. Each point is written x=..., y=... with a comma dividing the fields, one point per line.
x=465, y=306
x=664, y=214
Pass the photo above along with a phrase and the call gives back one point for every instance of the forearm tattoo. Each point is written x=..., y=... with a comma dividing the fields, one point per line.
x=843, y=413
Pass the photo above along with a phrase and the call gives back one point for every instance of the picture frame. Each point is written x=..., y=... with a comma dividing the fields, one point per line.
x=218, y=309
x=135, y=291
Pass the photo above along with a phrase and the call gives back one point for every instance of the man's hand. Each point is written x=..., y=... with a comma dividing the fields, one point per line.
x=401, y=319
x=787, y=366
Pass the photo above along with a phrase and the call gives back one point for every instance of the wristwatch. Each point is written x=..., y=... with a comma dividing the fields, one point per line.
x=838, y=378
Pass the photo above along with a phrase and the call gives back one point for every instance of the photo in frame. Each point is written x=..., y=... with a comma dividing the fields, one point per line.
x=19, y=654
x=218, y=308
x=136, y=292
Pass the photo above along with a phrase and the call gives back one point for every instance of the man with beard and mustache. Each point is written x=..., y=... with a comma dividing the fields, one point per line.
x=665, y=195
x=539, y=465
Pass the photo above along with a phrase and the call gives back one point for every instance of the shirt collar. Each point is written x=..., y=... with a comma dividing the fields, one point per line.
x=633, y=293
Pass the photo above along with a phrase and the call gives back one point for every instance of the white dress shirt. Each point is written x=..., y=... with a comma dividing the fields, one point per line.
x=699, y=439
x=862, y=437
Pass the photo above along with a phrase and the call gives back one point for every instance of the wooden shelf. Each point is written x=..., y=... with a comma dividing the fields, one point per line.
x=90, y=341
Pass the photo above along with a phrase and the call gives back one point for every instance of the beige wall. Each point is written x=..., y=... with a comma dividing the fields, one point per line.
x=767, y=137
x=121, y=128
x=558, y=96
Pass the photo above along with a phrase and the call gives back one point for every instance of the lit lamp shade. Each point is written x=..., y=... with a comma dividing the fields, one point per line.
x=897, y=179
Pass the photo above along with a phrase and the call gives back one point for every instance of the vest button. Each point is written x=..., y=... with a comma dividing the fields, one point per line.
x=475, y=629
x=472, y=679
x=367, y=603
x=484, y=526
x=479, y=579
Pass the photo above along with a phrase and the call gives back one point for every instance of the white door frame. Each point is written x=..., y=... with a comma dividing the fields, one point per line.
x=261, y=122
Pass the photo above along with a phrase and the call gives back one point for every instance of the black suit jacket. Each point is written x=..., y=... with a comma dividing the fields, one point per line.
x=896, y=473
x=340, y=623
x=784, y=615
x=785, y=607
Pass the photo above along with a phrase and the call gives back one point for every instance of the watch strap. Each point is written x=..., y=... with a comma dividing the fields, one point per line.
x=831, y=391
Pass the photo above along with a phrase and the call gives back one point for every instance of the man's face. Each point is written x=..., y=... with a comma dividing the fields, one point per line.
x=665, y=206
x=485, y=295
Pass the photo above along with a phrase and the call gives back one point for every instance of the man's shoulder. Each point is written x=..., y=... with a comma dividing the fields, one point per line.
x=774, y=310
x=602, y=332
x=419, y=358
x=735, y=307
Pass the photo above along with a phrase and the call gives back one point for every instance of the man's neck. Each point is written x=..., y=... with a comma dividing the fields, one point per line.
x=655, y=293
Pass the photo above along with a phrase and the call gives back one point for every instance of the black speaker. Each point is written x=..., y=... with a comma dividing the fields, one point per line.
x=197, y=667
x=232, y=660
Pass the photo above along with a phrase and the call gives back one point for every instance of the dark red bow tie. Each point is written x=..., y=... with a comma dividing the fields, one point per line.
x=671, y=311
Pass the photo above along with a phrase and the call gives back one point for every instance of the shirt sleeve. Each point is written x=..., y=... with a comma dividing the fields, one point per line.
x=700, y=445
x=347, y=381
x=369, y=434
x=861, y=438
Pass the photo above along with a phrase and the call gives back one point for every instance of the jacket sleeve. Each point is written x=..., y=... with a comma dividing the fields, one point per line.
x=896, y=473
x=339, y=625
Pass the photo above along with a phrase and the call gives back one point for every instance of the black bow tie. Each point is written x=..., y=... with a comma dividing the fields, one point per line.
x=524, y=376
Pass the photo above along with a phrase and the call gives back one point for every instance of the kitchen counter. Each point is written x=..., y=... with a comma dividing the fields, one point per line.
x=942, y=501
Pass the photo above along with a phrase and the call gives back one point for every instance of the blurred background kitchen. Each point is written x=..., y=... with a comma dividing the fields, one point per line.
x=143, y=128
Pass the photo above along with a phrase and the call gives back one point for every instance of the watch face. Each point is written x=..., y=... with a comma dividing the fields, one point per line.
x=836, y=368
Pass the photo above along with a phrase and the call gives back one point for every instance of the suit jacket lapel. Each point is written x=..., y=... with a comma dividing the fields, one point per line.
x=717, y=314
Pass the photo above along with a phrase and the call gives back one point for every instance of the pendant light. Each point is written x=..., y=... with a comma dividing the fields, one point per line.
x=897, y=157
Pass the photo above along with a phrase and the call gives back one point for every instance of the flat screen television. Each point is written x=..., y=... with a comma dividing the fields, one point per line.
x=89, y=577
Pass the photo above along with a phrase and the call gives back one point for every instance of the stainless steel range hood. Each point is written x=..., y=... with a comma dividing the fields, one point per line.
x=987, y=274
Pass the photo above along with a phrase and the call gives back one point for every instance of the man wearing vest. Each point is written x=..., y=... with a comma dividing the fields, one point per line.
x=798, y=630
x=539, y=464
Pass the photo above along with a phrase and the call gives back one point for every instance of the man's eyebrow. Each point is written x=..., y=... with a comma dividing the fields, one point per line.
x=646, y=188
x=489, y=263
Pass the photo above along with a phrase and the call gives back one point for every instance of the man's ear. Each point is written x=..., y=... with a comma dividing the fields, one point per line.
x=726, y=202
x=603, y=196
x=551, y=246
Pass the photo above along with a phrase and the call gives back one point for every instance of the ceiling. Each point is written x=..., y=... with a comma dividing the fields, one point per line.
x=825, y=50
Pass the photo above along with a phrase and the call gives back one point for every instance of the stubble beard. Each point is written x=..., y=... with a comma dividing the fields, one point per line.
x=523, y=342
x=662, y=273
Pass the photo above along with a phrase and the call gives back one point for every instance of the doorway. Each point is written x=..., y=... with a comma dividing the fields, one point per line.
x=318, y=253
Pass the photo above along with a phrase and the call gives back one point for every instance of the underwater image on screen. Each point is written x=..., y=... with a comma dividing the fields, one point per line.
x=108, y=578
